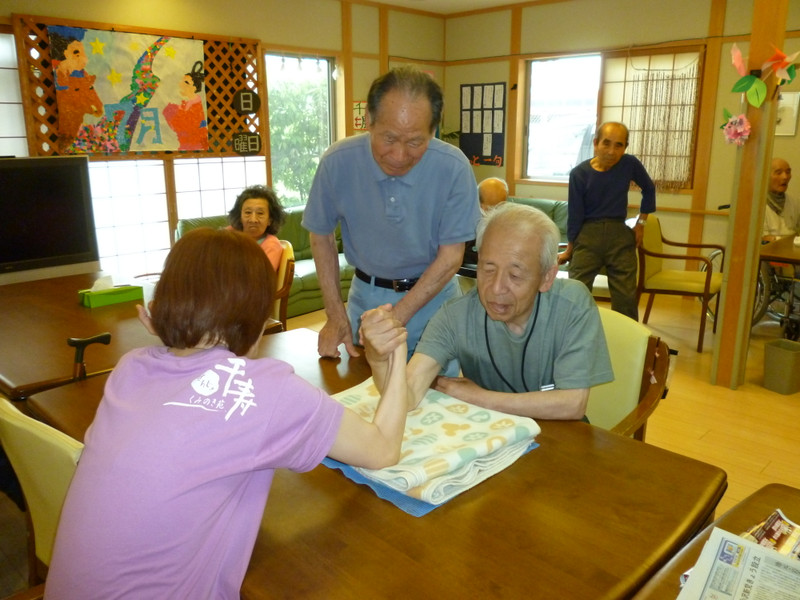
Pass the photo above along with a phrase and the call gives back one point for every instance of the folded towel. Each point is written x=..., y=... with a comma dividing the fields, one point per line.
x=412, y=506
x=449, y=445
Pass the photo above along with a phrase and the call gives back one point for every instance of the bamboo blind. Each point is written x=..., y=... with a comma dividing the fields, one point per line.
x=230, y=65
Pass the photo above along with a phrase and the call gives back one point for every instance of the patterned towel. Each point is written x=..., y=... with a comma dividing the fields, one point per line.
x=449, y=445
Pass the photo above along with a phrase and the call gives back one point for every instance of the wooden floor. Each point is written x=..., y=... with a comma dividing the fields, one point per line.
x=752, y=433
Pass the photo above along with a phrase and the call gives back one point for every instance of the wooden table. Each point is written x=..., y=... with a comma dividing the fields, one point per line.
x=588, y=514
x=749, y=512
x=781, y=250
x=37, y=317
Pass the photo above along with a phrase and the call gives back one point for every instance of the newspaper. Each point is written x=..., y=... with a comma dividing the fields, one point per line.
x=731, y=567
x=777, y=532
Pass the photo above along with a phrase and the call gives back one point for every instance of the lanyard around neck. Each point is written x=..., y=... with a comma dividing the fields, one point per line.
x=524, y=349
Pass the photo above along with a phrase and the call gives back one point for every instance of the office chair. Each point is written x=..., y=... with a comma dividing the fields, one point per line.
x=44, y=460
x=640, y=362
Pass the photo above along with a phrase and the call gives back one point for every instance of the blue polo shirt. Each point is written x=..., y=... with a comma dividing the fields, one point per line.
x=392, y=226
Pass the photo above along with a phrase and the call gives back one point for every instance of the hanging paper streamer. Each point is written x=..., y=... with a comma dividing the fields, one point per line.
x=752, y=84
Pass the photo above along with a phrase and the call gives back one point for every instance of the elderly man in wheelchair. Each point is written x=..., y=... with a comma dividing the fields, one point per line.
x=778, y=288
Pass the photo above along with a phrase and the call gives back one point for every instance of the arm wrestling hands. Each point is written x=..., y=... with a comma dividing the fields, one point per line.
x=376, y=444
x=337, y=329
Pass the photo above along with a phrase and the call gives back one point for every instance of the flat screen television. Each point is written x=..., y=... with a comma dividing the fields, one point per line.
x=46, y=217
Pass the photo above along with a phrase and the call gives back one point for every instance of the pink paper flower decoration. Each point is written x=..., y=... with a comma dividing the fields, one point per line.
x=737, y=130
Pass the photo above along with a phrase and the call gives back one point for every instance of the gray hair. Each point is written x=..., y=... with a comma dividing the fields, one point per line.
x=511, y=215
x=411, y=81
x=599, y=133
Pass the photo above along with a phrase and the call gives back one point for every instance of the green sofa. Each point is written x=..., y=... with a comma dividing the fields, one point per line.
x=305, y=295
x=555, y=209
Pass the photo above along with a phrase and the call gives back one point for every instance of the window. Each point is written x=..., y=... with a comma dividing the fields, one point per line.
x=205, y=187
x=300, y=122
x=12, y=122
x=563, y=112
x=130, y=204
x=654, y=94
x=130, y=215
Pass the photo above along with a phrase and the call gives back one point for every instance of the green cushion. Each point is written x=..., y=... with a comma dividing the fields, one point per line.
x=184, y=225
x=555, y=209
x=293, y=231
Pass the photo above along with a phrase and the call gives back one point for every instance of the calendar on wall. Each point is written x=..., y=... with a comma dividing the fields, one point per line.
x=483, y=112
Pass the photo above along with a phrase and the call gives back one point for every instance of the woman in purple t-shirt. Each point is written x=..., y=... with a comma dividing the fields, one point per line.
x=170, y=490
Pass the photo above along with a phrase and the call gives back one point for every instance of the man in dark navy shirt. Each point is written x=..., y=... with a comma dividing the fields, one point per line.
x=597, y=234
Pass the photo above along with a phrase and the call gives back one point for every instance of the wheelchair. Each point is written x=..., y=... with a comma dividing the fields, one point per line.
x=777, y=295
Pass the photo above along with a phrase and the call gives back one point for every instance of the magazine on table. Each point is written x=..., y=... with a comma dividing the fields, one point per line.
x=763, y=562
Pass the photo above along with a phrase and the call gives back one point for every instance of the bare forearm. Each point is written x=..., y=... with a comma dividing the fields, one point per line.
x=326, y=263
x=433, y=279
x=415, y=389
x=377, y=444
x=390, y=417
x=554, y=404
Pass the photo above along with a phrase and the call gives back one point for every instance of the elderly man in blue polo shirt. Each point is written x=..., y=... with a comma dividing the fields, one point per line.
x=406, y=203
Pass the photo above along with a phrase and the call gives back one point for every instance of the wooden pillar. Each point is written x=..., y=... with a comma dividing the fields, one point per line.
x=347, y=62
x=383, y=39
x=514, y=104
x=747, y=213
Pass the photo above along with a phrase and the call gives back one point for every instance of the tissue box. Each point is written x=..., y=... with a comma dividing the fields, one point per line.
x=123, y=293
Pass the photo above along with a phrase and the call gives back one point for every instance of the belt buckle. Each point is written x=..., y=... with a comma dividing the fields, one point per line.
x=401, y=285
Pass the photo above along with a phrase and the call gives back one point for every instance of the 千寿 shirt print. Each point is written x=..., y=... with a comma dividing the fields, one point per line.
x=225, y=387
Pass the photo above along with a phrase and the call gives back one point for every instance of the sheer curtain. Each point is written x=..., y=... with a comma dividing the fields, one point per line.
x=662, y=122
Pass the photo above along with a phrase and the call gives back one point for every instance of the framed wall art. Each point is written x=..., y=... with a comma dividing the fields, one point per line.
x=786, y=119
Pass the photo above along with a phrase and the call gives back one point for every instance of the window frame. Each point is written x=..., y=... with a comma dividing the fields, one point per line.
x=691, y=154
x=602, y=107
x=528, y=102
x=332, y=120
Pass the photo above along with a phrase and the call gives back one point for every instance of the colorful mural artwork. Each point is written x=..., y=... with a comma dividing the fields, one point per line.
x=126, y=92
x=188, y=120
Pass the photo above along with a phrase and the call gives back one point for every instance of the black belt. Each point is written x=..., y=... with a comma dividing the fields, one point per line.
x=398, y=285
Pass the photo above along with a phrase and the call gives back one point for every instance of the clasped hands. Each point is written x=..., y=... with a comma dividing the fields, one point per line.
x=381, y=334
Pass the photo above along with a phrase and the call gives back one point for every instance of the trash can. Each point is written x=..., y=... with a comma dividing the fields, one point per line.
x=782, y=366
